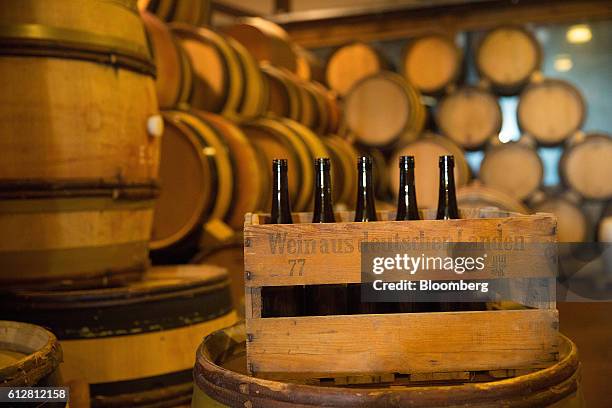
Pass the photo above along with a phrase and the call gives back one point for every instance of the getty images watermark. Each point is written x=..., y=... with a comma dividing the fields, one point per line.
x=413, y=264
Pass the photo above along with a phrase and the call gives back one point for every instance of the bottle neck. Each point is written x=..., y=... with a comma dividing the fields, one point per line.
x=281, y=209
x=406, y=200
x=365, y=209
x=323, y=207
x=447, y=200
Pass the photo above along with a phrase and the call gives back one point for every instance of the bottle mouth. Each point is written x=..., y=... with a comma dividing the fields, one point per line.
x=365, y=162
x=447, y=161
x=280, y=163
x=322, y=163
x=406, y=162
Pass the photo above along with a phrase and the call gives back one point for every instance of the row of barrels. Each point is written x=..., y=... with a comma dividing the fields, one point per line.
x=506, y=58
x=212, y=168
x=384, y=111
x=212, y=71
x=126, y=346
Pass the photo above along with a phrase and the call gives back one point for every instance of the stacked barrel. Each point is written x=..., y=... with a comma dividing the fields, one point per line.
x=81, y=135
x=232, y=100
x=387, y=111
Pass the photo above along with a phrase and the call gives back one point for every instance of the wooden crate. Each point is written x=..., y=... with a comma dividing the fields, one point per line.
x=497, y=341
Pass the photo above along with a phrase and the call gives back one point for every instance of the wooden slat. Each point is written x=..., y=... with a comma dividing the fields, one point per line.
x=403, y=343
x=305, y=254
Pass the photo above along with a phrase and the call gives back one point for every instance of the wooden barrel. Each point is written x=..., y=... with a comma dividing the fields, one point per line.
x=286, y=139
x=218, y=83
x=431, y=63
x=193, y=12
x=267, y=41
x=221, y=381
x=586, y=166
x=251, y=184
x=74, y=234
x=174, y=73
x=254, y=100
x=551, y=111
x=350, y=63
x=309, y=66
x=476, y=195
x=29, y=356
x=89, y=109
x=343, y=171
x=469, y=116
x=197, y=184
x=426, y=152
x=284, y=99
x=303, y=101
x=512, y=167
x=133, y=344
x=383, y=110
x=572, y=223
x=604, y=229
x=506, y=57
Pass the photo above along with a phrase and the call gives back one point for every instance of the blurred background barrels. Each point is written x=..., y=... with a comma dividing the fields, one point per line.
x=470, y=117
x=507, y=57
x=551, y=111
x=383, y=110
x=350, y=63
x=432, y=63
x=527, y=169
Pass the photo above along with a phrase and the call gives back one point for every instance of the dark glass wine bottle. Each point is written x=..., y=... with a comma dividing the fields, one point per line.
x=365, y=211
x=447, y=199
x=406, y=199
x=278, y=301
x=407, y=210
x=448, y=210
x=322, y=300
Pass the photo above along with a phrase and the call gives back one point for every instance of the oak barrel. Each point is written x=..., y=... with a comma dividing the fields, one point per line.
x=197, y=184
x=284, y=99
x=218, y=82
x=220, y=381
x=309, y=66
x=86, y=234
x=29, y=356
x=350, y=63
x=282, y=138
x=512, y=167
x=426, y=152
x=507, y=56
x=469, y=116
x=343, y=172
x=478, y=196
x=551, y=111
x=572, y=223
x=133, y=344
x=586, y=165
x=267, y=41
x=432, y=63
x=89, y=108
x=193, y=12
x=383, y=110
x=174, y=73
